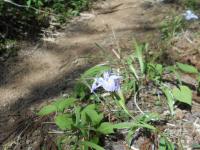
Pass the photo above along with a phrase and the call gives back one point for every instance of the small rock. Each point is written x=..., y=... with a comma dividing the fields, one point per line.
x=118, y=146
x=28, y=142
x=179, y=114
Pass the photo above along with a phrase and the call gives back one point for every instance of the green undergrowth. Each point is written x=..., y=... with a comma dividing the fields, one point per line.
x=25, y=20
x=86, y=118
x=191, y=4
x=171, y=26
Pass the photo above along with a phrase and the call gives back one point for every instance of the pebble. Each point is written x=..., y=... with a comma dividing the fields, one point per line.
x=118, y=146
x=179, y=114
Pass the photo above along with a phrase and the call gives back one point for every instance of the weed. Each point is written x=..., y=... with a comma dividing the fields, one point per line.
x=191, y=4
x=172, y=26
x=95, y=113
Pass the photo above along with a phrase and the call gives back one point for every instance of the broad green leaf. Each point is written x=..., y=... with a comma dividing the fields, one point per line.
x=154, y=70
x=92, y=72
x=63, y=121
x=95, y=139
x=170, y=99
x=47, y=110
x=187, y=68
x=64, y=103
x=170, y=68
x=92, y=145
x=81, y=90
x=183, y=94
x=159, y=69
x=94, y=116
x=83, y=112
x=164, y=144
x=106, y=128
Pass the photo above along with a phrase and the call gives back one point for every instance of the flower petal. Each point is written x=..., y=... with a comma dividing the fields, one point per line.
x=96, y=84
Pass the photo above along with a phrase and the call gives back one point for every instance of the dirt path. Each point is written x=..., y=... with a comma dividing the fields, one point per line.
x=43, y=71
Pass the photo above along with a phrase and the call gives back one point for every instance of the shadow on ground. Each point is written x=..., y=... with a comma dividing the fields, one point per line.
x=9, y=119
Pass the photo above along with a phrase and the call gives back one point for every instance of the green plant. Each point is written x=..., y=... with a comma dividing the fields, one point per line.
x=86, y=118
x=82, y=125
x=170, y=27
x=35, y=3
x=192, y=4
x=7, y=47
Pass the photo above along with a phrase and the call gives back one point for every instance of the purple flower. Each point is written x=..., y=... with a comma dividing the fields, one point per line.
x=189, y=15
x=110, y=82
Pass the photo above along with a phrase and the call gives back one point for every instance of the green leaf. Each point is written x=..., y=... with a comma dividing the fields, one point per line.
x=144, y=125
x=94, y=116
x=92, y=145
x=77, y=114
x=95, y=139
x=92, y=72
x=164, y=144
x=133, y=70
x=63, y=121
x=123, y=125
x=121, y=102
x=183, y=94
x=187, y=68
x=170, y=68
x=127, y=125
x=106, y=128
x=139, y=55
x=81, y=90
x=47, y=110
x=29, y=3
x=129, y=136
x=64, y=103
x=196, y=146
x=154, y=71
x=83, y=112
x=170, y=99
x=148, y=117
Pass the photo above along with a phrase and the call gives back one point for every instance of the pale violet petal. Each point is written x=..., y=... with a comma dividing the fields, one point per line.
x=106, y=75
x=96, y=84
x=189, y=15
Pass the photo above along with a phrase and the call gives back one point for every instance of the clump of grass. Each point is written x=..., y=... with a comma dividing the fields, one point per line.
x=172, y=26
x=191, y=4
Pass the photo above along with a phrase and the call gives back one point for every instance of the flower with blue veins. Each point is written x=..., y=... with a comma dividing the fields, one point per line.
x=110, y=82
x=189, y=15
